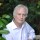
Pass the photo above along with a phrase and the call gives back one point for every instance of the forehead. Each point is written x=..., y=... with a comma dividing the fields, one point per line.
x=21, y=10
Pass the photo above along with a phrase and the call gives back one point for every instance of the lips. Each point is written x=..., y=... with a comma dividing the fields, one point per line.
x=21, y=20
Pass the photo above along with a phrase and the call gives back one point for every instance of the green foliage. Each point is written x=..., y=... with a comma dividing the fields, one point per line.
x=4, y=31
x=4, y=20
x=34, y=16
x=2, y=38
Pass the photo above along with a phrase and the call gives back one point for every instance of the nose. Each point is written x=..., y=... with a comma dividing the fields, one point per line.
x=22, y=16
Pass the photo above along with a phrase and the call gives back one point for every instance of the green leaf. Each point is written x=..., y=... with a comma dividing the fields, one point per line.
x=4, y=31
x=6, y=16
x=5, y=21
x=1, y=23
x=38, y=13
x=1, y=38
x=38, y=6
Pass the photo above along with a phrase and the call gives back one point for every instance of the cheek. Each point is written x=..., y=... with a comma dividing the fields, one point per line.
x=17, y=17
x=24, y=18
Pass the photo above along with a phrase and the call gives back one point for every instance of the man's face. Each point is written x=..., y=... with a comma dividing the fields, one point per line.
x=20, y=15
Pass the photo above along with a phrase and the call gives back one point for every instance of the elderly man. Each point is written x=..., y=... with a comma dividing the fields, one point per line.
x=19, y=29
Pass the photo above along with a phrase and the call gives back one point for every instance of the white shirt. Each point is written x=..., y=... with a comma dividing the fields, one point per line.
x=24, y=33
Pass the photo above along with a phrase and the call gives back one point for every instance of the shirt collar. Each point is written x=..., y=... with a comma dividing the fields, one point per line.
x=14, y=26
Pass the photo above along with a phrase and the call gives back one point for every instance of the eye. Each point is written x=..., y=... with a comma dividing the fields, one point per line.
x=24, y=14
x=19, y=14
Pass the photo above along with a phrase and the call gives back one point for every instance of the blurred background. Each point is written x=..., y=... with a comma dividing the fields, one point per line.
x=6, y=11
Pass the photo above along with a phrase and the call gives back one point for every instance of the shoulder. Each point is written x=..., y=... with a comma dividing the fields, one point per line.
x=8, y=26
x=28, y=27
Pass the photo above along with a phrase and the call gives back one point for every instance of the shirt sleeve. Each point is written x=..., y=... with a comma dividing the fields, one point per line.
x=7, y=36
x=32, y=34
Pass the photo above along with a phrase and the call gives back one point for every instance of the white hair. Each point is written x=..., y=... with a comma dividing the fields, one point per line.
x=19, y=6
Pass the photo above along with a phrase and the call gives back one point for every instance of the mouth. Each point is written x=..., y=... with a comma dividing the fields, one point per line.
x=21, y=20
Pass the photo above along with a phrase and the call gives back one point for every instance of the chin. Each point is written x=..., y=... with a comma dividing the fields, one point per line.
x=21, y=22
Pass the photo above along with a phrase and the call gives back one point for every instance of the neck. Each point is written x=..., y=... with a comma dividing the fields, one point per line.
x=19, y=25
